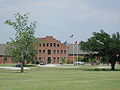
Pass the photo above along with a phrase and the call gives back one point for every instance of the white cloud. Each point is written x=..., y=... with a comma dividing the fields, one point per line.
x=75, y=10
x=61, y=12
x=100, y=16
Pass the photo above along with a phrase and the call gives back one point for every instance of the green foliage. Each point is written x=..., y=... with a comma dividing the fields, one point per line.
x=69, y=61
x=104, y=45
x=85, y=59
x=92, y=60
x=63, y=60
x=79, y=59
x=105, y=59
x=22, y=48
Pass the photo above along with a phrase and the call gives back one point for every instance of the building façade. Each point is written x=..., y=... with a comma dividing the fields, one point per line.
x=49, y=50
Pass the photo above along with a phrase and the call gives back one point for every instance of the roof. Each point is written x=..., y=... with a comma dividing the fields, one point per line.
x=75, y=49
x=2, y=48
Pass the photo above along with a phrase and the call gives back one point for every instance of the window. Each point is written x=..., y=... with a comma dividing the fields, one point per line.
x=43, y=44
x=54, y=44
x=54, y=58
x=64, y=51
x=57, y=51
x=57, y=58
x=43, y=51
x=58, y=45
x=5, y=58
x=47, y=44
x=39, y=58
x=50, y=44
x=61, y=51
x=49, y=51
x=39, y=51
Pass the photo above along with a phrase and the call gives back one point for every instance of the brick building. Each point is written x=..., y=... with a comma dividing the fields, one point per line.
x=3, y=58
x=49, y=50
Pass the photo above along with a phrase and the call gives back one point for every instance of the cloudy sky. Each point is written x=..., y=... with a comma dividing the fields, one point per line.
x=62, y=18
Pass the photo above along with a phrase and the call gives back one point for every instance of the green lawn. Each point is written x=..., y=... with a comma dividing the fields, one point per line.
x=59, y=79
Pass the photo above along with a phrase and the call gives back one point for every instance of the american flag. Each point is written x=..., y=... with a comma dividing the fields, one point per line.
x=76, y=42
x=71, y=36
x=65, y=42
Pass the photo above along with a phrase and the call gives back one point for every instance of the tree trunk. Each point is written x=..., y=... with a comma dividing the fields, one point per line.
x=22, y=63
x=22, y=70
x=113, y=66
x=112, y=61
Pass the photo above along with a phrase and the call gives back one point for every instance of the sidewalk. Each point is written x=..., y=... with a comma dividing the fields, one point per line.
x=58, y=65
x=15, y=68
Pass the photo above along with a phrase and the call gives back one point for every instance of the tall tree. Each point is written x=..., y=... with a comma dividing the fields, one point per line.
x=22, y=48
x=105, y=45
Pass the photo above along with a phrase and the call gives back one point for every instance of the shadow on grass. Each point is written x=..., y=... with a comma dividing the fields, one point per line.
x=72, y=69
x=98, y=69
x=28, y=65
x=32, y=65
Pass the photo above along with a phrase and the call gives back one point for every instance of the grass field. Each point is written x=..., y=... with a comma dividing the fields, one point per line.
x=59, y=79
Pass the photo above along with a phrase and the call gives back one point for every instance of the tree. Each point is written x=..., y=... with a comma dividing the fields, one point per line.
x=22, y=48
x=104, y=45
x=79, y=59
x=63, y=60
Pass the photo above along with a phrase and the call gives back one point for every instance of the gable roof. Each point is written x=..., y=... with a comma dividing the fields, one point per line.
x=75, y=49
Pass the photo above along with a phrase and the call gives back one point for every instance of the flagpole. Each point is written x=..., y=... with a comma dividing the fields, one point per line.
x=73, y=46
x=77, y=51
x=73, y=52
x=66, y=51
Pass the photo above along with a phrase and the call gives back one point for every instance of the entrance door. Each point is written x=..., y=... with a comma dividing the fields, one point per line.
x=49, y=60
